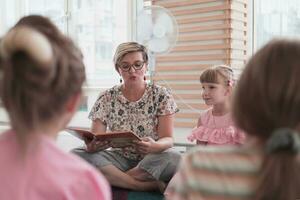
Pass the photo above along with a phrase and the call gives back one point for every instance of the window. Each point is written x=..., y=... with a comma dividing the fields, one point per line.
x=97, y=26
x=275, y=18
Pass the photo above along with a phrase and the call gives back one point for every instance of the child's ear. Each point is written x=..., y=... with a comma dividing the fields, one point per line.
x=73, y=102
x=228, y=91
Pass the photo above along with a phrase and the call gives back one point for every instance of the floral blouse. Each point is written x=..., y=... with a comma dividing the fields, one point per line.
x=140, y=117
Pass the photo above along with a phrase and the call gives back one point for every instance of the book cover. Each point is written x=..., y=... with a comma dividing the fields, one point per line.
x=116, y=139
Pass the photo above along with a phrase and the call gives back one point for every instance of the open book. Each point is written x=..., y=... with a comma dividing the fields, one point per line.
x=116, y=139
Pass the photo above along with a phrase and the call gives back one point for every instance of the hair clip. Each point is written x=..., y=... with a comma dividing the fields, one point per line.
x=283, y=139
x=230, y=83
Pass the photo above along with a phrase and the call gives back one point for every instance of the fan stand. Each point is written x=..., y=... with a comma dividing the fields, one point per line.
x=151, y=66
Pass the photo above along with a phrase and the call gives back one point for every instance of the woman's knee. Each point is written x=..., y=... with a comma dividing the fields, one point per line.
x=77, y=151
x=170, y=156
x=161, y=166
x=91, y=158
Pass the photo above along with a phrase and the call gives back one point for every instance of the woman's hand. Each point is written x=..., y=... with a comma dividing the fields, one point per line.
x=87, y=140
x=146, y=146
x=97, y=145
x=94, y=145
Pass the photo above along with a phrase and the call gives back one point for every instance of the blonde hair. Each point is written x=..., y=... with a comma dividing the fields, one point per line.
x=220, y=74
x=39, y=76
x=126, y=48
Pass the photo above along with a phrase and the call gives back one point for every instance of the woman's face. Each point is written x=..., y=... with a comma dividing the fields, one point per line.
x=132, y=68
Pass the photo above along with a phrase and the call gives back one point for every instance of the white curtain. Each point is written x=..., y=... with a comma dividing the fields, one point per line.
x=274, y=18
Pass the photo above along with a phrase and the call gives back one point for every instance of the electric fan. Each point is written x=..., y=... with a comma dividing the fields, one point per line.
x=156, y=29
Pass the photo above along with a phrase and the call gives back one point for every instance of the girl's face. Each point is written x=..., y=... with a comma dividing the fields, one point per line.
x=132, y=68
x=214, y=93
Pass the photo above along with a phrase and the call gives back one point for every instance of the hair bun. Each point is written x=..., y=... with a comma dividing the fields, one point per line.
x=283, y=139
x=29, y=40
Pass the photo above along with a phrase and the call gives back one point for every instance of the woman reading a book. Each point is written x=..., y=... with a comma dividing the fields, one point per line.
x=42, y=75
x=142, y=108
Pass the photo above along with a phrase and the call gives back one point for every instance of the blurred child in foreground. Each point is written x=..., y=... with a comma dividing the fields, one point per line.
x=42, y=75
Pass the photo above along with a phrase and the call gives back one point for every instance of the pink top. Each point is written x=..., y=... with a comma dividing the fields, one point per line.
x=46, y=172
x=217, y=130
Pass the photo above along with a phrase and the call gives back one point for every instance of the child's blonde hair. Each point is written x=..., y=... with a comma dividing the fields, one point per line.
x=41, y=69
x=221, y=74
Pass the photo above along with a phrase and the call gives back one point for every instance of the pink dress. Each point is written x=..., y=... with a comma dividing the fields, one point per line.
x=46, y=173
x=217, y=130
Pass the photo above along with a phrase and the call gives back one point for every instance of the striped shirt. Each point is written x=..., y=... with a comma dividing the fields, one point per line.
x=217, y=173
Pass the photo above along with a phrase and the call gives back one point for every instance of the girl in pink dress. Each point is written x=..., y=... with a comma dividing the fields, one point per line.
x=215, y=125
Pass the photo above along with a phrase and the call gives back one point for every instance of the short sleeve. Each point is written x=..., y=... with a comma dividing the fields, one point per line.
x=165, y=102
x=204, y=117
x=101, y=107
x=91, y=185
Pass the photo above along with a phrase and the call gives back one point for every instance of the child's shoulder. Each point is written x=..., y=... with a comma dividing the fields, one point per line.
x=65, y=162
x=71, y=170
x=245, y=158
x=205, y=114
x=218, y=121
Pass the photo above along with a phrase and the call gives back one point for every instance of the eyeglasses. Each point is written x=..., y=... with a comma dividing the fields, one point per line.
x=137, y=66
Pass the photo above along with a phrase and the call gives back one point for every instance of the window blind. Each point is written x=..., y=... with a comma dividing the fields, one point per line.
x=211, y=32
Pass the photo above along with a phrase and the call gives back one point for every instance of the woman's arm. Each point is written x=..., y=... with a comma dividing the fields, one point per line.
x=165, y=131
x=98, y=127
x=165, y=134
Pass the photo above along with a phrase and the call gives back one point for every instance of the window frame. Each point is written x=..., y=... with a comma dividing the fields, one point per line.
x=68, y=30
x=19, y=8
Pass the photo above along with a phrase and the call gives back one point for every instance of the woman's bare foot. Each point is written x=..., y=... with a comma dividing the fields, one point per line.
x=140, y=174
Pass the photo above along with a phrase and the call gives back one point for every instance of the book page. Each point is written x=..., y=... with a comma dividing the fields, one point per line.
x=120, y=139
x=116, y=139
x=82, y=134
